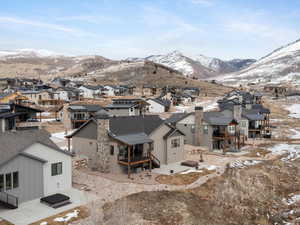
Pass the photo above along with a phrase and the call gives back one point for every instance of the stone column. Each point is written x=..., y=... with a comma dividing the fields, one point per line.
x=103, y=146
x=198, y=125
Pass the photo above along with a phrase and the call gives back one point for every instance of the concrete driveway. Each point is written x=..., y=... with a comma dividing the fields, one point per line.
x=33, y=211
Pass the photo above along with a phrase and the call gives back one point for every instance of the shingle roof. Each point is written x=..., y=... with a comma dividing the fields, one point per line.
x=134, y=124
x=133, y=139
x=127, y=125
x=10, y=148
x=84, y=108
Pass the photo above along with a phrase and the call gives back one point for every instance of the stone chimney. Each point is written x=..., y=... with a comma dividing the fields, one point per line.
x=237, y=112
x=102, y=161
x=198, y=125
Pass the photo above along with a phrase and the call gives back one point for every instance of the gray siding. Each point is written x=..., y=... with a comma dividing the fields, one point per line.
x=89, y=131
x=187, y=130
x=30, y=177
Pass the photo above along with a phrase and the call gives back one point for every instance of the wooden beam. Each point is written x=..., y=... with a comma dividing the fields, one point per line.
x=128, y=165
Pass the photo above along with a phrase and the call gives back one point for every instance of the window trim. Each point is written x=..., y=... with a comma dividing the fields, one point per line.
x=55, y=170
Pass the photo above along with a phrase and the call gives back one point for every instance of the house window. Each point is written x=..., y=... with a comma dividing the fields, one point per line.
x=112, y=150
x=8, y=181
x=175, y=143
x=205, y=129
x=56, y=169
x=231, y=129
x=15, y=179
x=193, y=128
x=1, y=182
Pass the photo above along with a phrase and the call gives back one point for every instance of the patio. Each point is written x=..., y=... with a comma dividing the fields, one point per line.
x=33, y=211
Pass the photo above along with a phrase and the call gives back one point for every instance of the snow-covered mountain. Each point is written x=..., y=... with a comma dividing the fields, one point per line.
x=199, y=66
x=280, y=66
x=223, y=66
x=22, y=53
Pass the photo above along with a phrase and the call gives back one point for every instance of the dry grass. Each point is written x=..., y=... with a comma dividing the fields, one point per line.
x=5, y=222
x=83, y=213
x=182, y=179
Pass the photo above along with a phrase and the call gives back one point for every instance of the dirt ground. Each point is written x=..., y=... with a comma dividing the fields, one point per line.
x=83, y=213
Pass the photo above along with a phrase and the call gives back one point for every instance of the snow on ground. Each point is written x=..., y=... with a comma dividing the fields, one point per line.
x=243, y=164
x=292, y=151
x=48, y=120
x=207, y=106
x=294, y=111
x=68, y=217
x=200, y=170
x=292, y=199
x=296, y=134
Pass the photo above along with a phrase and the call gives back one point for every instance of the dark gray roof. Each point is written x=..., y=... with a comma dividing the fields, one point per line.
x=127, y=125
x=134, y=124
x=14, y=143
x=121, y=106
x=85, y=108
x=133, y=139
x=217, y=118
x=8, y=115
x=176, y=117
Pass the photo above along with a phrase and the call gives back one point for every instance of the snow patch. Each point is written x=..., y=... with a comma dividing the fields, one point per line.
x=242, y=164
x=68, y=216
x=292, y=199
x=294, y=111
x=292, y=151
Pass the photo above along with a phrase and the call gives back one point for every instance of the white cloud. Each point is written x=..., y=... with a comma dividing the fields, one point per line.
x=203, y=2
x=99, y=19
x=43, y=25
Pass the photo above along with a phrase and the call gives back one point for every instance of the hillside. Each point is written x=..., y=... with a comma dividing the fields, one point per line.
x=148, y=73
x=281, y=66
x=44, y=64
x=240, y=196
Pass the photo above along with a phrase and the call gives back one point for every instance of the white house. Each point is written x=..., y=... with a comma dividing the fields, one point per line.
x=89, y=91
x=109, y=90
x=158, y=105
x=32, y=167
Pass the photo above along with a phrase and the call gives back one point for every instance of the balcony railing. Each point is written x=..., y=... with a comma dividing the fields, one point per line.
x=27, y=124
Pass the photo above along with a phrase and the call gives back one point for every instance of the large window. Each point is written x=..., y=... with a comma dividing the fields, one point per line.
x=8, y=181
x=15, y=179
x=56, y=169
x=205, y=129
x=175, y=143
x=1, y=182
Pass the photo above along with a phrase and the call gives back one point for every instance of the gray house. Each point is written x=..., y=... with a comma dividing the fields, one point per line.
x=214, y=130
x=122, y=144
x=31, y=167
x=127, y=107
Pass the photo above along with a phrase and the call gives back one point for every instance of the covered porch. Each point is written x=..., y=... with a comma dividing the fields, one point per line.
x=135, y=151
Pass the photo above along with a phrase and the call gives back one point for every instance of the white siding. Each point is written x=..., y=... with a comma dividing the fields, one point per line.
x=53, y=184
x=154, y=107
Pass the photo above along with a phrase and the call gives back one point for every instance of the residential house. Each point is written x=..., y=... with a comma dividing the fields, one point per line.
x=74, y=115
x=19, y=117
x=109, y=90
x=215, y=130
x=123, y=144
x=148, y=90
x=127, y=107
x=68, y=94
x=15, y=97
x=31, y=167
x=89, y=91
x=157, y=105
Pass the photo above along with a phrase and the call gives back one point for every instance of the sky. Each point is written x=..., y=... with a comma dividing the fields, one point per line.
x=118, y=29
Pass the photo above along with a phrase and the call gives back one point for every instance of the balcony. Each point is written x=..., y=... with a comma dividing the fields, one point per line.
x=135, y=160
